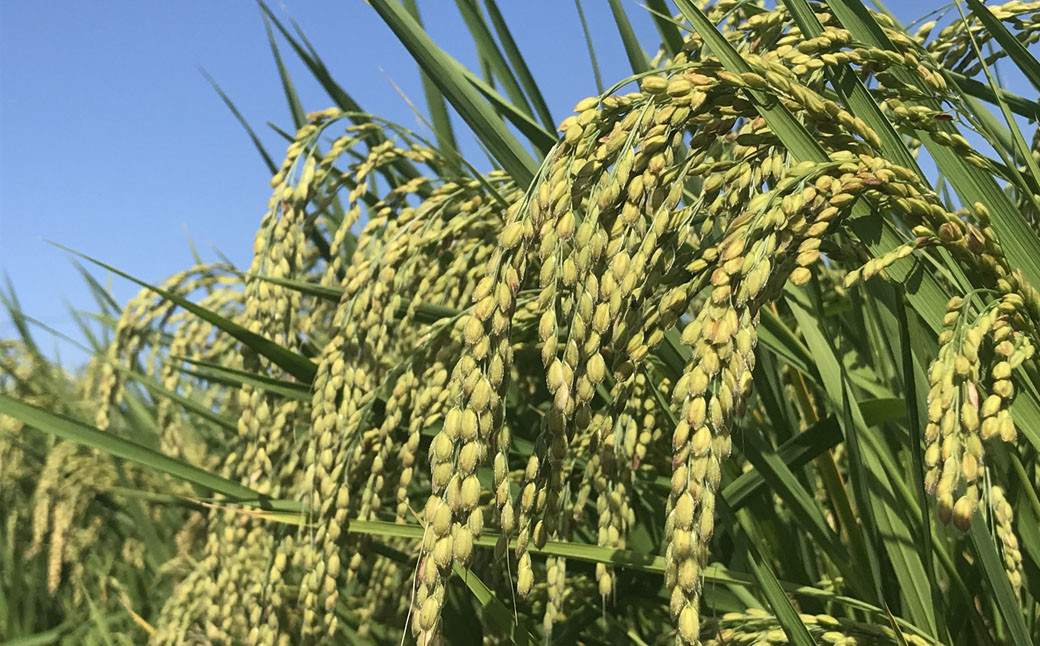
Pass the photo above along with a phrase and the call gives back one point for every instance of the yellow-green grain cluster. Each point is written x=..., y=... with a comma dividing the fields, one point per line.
x=759, y=628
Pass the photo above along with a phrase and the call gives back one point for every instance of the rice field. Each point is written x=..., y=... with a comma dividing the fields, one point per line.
x=740, y=351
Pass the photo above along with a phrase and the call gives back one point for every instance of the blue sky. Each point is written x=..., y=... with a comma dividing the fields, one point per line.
x=113, y=143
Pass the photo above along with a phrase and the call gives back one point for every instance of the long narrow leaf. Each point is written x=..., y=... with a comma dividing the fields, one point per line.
x=489, y=50
x=1018, y=53
x=597, y=76
x=636, y=56
x=516, y=59
x=986, y=550
x=76, y=431
x=435, y=100
x=473, y=109
x=297, y=365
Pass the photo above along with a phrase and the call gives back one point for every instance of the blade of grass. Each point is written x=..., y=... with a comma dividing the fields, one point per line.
x=473, y=109
x=494, y=611
x=1015, y=50
x=288, y=87
x=324, y=292
x=435, y=102
x=516, y=59
x=489, y=51
x=76, y=431
x=424, y=312
x=272, y=168
x=784, y=343
x=297, y=365
x=338, y=95
x=186, y=403
x=97, y=346
x=100, y=621
x=592, y=50
x=1017, y=104
x=913, y=385
x=782, y=481
x=785, y=612
x=872, y=491
x=670, y=34
x=231, y=376
x=102, y=296
x=637, y=59
x=9, y=300
x=299, y=117
x=993, y=570
x=44, y=638
x=848, y=413
x=539, y=137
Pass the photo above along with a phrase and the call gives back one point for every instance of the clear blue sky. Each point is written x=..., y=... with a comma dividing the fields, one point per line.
x=113, y=143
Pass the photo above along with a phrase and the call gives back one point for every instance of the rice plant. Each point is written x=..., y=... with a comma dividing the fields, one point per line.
x=739, y=352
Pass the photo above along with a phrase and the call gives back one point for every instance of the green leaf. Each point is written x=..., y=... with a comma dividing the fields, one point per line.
x=435, y=100
x=288, y=87
x=271, y=166
x=233, y=377
x=592, y=50
x=324, y=292
x=338, y=95
x=488, y=50
x=782, y=481
x=914, y=385
x=670, y=34
x=44, y=638
x=636, y=56
x=993, y=569
x=783, y=342
x=184, y=402
x=581, y=552
x=836, y=386
x=295, y=364
x=785, y=612
x=10, y=302
x=873, y=490
x=1015, y=50
x=1019, y=105
x=473, y=109
x=543, y=140
x=76, y=431
x=106, y=302
x=495, y=613
x=795, y=453
x=516, y=59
